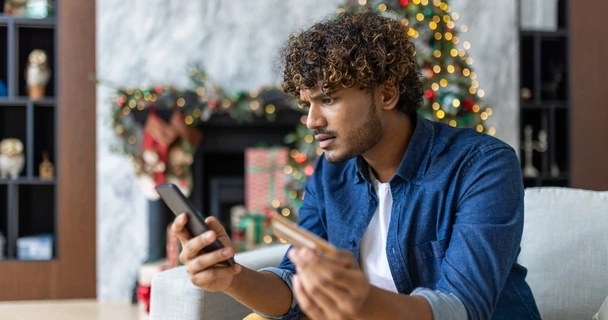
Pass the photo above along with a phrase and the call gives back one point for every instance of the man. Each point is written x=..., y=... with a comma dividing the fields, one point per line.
x=428, y=217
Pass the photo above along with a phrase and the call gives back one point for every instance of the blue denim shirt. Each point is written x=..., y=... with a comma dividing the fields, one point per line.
x=456, y=220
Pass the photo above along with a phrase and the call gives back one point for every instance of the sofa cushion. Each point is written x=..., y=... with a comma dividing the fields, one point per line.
x=565, y=248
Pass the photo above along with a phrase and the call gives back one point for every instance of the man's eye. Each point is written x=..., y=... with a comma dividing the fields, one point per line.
x=304, y=106
x=328, y=101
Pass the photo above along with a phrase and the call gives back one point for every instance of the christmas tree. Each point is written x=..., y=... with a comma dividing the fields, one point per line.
x=451, y=91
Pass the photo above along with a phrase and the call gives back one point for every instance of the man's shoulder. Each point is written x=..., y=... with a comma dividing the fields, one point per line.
x=461, y=140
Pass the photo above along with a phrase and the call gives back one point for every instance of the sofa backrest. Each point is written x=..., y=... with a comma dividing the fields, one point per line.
x=565, y=249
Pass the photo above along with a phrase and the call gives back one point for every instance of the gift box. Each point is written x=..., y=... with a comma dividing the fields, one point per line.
x=144, y=286
x=172, y=248
x=264, y=178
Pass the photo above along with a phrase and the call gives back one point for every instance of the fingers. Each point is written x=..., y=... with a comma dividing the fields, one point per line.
x=178, y=228
x=323, y=270
x=194, y=246
x=206, y=278
x=216, y=226
x=208, y=260
x=304, y=300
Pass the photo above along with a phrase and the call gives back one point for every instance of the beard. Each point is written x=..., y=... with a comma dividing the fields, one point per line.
x=360, y=139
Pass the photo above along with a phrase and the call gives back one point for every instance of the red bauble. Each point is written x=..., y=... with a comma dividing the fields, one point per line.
x=121, y=101
x=212, y=104
x=309, y=170
x=429, y=94
x=404, y=3
x=468, y=104
x=158, y=89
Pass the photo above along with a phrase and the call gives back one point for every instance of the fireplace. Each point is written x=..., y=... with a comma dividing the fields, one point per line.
x=219, y=163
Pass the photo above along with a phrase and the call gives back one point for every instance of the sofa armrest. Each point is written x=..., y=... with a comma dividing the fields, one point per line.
x=175, y=297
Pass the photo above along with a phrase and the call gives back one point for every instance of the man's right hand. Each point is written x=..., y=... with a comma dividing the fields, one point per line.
x=206, y=270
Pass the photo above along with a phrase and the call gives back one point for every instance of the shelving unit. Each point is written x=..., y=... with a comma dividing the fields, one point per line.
x=28, y=204
x=544, y=74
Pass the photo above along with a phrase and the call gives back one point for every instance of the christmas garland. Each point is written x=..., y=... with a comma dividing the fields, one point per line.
x=162, y=151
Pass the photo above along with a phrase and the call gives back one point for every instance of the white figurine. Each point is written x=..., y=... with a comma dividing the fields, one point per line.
x=12, y=158
x=37, y=74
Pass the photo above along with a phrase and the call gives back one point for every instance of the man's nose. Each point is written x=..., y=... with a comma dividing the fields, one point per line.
x=315, y=119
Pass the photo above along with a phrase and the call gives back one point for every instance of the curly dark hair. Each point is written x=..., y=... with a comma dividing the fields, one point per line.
x=365, y=49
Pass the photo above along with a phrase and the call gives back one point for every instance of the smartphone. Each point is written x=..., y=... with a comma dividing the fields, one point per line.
x=300, y=237
x=178, y=203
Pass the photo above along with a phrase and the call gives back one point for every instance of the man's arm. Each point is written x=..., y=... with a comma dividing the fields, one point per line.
x=263, y=292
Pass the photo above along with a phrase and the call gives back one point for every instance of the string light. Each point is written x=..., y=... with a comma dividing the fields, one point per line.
x=308, y=138
x=267, y=239
x=473, y=75
x=294, y=153
x=382, y=7
x=456, y=40
x=437, y=36
x=451, y=69
x=405, y=22
x=181, y=102
x=469, y=60
x=475, y=108
x=425, y=2
x=450, y=24
x=440, y=114
x=475, y=84
x=132, y=140
x=286, y=212
x=288, y=169
x=303, y=119
x=492, y=131
x=466, y=72
x=200, y=91
x=483, y=116
x=143, y=87
x=454, y=52
x=436, y=19
x=436, y=106
x=137, y=94
x=275, y=203
x=467, y=45
x=419, y=17
x=319, y=151
x=446, y=18
x=481, y=93
x=479, y=128
x=253, y=94
x=411, y=32
x=254, y=105
x=456, y=103
x=147, y=96
x=270, y=109
x=189, y=120
x=472, y=90
x=126, y=111
x=443, y=83
x=489, y=111
x=132, y=104
x=464, y=28
x=455, y=16
x=436, y=69
x=196, y=113
x=141, y=105
x=416, y=1
x=362, y=2
x=435, y=86
x=453, y=123
x=437, y=3
x=433, y=25
x=448, y=36
x=437, y=54
x=443, y=6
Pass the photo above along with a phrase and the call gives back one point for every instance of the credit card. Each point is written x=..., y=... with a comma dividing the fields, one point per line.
x=300, y=237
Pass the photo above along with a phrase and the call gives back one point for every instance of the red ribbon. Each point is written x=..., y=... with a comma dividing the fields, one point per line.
x=143, y=295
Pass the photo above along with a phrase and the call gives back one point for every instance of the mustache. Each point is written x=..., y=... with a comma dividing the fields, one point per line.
x=328, y=132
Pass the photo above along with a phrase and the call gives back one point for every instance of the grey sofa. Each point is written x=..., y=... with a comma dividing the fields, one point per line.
x=564, y=247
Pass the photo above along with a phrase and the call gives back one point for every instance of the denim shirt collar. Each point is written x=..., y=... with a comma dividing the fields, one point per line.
x=414, y=161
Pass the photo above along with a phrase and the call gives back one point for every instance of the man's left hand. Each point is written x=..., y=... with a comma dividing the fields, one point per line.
x=328, y=288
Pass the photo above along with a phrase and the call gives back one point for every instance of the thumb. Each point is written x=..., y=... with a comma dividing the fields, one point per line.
x=216, y=226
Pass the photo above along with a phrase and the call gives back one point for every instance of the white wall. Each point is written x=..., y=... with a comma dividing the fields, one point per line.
x=153, y=41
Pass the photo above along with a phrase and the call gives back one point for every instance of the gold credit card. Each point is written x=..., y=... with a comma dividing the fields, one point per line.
x=300, y=237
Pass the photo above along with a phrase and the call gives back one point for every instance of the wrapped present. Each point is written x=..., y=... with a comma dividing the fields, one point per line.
x=254, y=228
x=264, y=178
x=144, y=286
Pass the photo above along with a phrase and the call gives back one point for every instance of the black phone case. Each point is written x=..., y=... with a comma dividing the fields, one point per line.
x=178, y=203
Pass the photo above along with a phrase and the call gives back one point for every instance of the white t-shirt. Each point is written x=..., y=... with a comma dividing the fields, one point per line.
x=374, y=261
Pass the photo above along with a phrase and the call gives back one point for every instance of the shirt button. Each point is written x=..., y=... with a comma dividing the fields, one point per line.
x=393, y=250
x=352, y=243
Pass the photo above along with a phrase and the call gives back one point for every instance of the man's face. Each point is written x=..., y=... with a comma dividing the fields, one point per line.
x=346, y=124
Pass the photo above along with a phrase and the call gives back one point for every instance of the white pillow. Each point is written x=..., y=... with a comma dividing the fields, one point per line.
x=603, y=313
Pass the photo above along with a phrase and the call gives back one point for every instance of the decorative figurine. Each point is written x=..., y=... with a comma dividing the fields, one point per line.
x=15, y=8
x=529, y=171
x=47, y=170
x=12, y=158
x=37, y=74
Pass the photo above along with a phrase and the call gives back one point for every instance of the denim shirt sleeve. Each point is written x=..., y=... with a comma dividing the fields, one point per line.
x=487, y=230
x=309, y=218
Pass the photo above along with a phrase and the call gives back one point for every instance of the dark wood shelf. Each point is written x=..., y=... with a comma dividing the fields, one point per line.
x=23, y=101
x=28, y=181
x=28, y=22
x=548, y=104
x=562, y=32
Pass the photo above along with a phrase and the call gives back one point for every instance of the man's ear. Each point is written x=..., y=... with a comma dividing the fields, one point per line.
x=388, y=96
